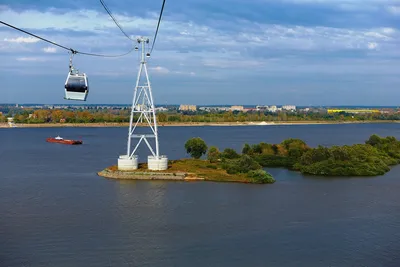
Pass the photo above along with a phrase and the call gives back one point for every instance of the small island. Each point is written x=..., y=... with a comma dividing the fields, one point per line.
x=226, y=166
x=373, y=158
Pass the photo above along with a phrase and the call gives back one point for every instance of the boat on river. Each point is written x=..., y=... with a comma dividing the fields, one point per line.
x=61, y=140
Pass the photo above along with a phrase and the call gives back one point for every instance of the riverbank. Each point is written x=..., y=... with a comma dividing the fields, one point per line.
x=253, y=123
x=179, y=170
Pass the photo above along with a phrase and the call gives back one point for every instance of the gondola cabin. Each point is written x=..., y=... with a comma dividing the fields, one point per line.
x=76, y=86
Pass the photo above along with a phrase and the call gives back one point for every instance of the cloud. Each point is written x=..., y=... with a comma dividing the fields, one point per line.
x=372, y=46
x=36, y=59
x=22, y=40
x=277, y=46
x=395, y=10
x=49, y=49
x=160, y=70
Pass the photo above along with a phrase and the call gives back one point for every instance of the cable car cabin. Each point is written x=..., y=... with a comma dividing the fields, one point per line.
x=76, y=87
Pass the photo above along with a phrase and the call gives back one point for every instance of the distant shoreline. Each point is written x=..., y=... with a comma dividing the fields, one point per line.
x=106, y=125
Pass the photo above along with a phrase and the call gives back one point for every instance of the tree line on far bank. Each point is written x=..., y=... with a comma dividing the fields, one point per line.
x=118, y=116
x=373, y=158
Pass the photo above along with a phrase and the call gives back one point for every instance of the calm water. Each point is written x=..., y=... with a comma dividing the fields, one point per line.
x=55, y=210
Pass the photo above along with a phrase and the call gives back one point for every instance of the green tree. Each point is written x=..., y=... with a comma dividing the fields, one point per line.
x=162, y=117
x=213, y=154
x=373, y=140
x=247, y=149
x=261, y=177
x=196, y=147
x=230, y=153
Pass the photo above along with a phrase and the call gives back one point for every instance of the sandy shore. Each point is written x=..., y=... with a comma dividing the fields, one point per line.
x=50, y=125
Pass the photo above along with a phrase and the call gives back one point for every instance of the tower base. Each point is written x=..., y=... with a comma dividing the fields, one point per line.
x=127, y=164
x=157, y=164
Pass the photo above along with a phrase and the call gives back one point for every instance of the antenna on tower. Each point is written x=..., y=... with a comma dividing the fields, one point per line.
x=143, y=111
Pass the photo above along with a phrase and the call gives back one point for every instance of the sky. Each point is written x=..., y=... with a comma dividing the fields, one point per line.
x=208, y=52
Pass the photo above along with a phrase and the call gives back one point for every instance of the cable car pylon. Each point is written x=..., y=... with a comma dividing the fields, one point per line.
x=143, y=111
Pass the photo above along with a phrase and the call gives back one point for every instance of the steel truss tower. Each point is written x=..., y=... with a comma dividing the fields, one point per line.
x=143, y=111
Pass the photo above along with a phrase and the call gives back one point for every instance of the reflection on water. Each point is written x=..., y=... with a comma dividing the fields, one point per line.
x=55, y=210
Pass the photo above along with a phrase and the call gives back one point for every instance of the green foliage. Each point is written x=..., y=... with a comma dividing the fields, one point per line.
x=230, y=153
x=162, y=117
x=373, y=140
x=389, y=145
x=213, y=154
x=355, y=160
x=196, y=147
x=370, y=159
x=261, y=177
x=285, y=154
x=243, y=164
x=274, y=161
x=373, y=158
x=247, y=149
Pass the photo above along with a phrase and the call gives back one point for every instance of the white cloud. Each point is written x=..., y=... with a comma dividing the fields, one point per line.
x=231, y=63
x=185, y=36
x=49, y=49
x=372, y=46
x=395, y=10
x=160, y=69
x=388, y=31
x=36, y=59
x=199, y=48
x=22, y=40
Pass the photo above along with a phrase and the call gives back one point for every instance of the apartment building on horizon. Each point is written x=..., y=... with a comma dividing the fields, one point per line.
x=188, y=107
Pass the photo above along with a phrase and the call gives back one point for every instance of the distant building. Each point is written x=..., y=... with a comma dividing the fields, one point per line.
x=236, y=108
x=289, y=108
x=272, y=109
x=138, y=107
x=214, y=109
x=161, y=109
x=305, y=110
x=188, y=107
x=259, y=108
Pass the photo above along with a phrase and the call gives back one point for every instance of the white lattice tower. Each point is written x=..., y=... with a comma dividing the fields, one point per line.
x=143, y=115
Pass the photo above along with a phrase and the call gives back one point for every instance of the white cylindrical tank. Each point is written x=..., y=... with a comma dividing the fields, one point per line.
x=128, y=164
x=157, y=164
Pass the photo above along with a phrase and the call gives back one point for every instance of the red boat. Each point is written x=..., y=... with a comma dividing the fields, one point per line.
x=61, y=140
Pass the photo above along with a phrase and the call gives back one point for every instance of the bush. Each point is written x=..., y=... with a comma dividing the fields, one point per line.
x=247, y=149
x=261, y=177
x=213, y=154
x=196, y=147
x=242, y=165
x=274, y=161
x=230, y=153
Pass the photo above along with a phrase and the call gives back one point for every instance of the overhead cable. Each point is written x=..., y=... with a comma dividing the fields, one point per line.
x=61, y=46
x=158, y=25
x=113, y=18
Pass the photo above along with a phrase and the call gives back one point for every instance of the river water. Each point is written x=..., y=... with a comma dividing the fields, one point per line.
x=55, y=210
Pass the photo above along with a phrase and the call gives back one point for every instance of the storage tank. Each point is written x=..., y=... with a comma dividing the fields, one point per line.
x=157, y=164
x=126, y=163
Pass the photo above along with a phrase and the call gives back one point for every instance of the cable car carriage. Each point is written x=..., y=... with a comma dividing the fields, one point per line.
x=76, y=85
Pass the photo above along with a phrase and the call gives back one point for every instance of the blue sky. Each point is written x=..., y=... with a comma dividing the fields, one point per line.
x=302, y=52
